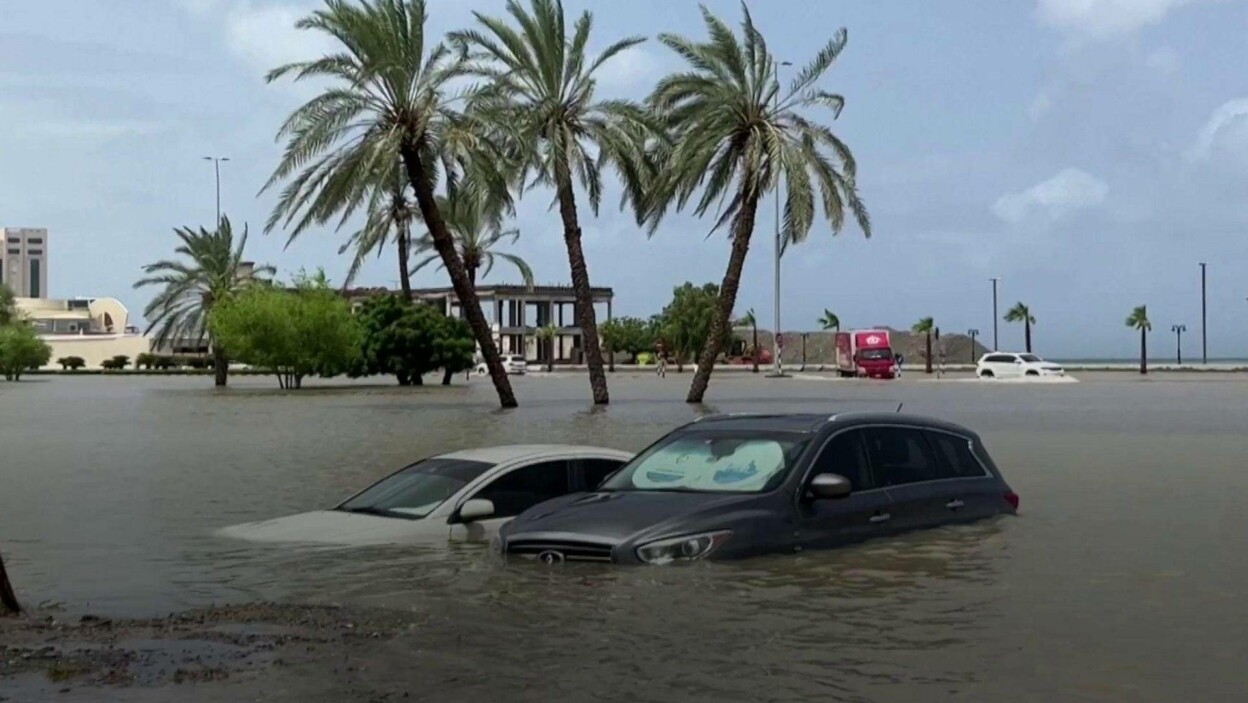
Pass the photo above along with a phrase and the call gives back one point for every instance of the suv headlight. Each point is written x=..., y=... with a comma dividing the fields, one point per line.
x=686, y=548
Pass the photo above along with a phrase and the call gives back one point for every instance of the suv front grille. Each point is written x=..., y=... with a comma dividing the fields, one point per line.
x=568, y=551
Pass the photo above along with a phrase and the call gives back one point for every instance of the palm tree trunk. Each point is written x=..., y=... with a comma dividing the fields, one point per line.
x=468, y=301
x=404, y=242
x=755, y=352
x=585, y=316
x=220, y=366
x=1143, y=351
x=8, y=599
x=727, y=295
x=1027, y=334
x=929, y=353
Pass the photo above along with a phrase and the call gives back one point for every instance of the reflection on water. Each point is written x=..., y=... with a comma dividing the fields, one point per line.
x=1113, y=584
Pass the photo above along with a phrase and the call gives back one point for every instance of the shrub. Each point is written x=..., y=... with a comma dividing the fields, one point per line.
x=164, y=363
x=117, y=363
x=71, y=363
x=145, y=361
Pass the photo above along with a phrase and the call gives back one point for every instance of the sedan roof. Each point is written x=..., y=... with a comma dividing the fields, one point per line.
x=512, y=452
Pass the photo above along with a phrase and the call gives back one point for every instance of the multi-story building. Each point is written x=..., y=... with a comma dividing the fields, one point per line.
x=24, y=261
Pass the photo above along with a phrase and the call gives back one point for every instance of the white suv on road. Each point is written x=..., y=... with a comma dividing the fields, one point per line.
x=1010, y=365
x=513, y=364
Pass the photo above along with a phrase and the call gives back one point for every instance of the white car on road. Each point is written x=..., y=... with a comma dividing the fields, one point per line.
x=513, y=364
x=462, y=496
x=1012, y=365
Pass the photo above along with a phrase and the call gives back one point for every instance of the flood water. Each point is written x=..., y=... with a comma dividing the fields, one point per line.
x=1122, y=579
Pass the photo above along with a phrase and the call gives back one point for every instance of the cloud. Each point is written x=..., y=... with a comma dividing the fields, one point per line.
x=1164, y=60
x=265, y=36
x=1225, y=133
x=1071, y=189
x=1101, y=19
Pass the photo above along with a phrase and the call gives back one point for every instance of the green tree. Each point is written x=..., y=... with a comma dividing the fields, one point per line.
x=926, y=326
x=454, y=348
x=688, y=322
x=21, y=350
x=8, y=306
x=1139, y=321
x=401, y=338
x=735, y=132
x=1022, y=313
x=211, y=270
x=539, y=95
x=829, y=321
x=293, y=332
x=547, y=336
x=386, y=98
x=475, y=220
x=751, y=321
x=631, y=335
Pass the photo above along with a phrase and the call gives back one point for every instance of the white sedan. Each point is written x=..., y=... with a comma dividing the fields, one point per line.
x=462, y=496
x=513, y=364
x=1010, y=365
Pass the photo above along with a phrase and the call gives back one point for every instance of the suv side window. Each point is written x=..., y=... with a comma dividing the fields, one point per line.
x=901, y=455
x=846, y=455
x=595, y=471
x=1000, y=359
x=525, y=487
x=956, y=458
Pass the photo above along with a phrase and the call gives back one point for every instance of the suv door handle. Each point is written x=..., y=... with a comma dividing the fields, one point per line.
x=880, y=517
x=954, y=504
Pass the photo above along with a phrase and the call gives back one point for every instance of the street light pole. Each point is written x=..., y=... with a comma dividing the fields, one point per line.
x=973, y=334
x=1204, y=317
x=216, y=166
x=776, y=338
x=996, y=345
x=1178, y=340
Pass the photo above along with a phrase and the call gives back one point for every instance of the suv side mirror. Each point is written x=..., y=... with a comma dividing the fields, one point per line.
x=830, y=487
x=476, y=509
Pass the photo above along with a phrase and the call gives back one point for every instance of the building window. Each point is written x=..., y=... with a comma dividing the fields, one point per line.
x=34, y=252
x=34, y=278
x=14, y=252
x=35, y=240
x=15, y=240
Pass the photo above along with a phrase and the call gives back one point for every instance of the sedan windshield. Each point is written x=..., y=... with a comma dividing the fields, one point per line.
x=415, y=491
x=711, y=462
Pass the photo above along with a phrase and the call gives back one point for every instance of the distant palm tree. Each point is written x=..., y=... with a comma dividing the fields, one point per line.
x=1139, y=321
x=752, y=321
x=391, y=211
x=539, y=95
x=547, y=335
x=386, y=99
x=1022, y=313
x=830, y=321
x=734, y=132
x=475, y=221
x=212, y=269
x=926, y=326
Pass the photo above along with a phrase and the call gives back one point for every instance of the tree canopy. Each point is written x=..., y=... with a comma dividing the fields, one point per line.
x=686, y=321
x=409, y=340
x=21, y=350
x=631, y=335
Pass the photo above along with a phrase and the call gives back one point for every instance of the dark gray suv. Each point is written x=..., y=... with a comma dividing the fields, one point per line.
x=733, y=486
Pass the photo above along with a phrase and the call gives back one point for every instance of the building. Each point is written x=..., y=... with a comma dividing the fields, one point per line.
x=92, y=328
x=24, y=264
x=515, y=313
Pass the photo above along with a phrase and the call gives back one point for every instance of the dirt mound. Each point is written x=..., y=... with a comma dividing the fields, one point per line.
x=821, y=347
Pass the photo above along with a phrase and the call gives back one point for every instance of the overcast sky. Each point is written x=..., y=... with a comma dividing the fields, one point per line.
x=1088, y=152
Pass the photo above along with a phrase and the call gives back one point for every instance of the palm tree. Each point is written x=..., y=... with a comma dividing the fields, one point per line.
x=475, y=221
x=734, y=133
x=1022, y=313
x=212, y=269
x=1139, y=321
x=830, y=321
x=540, y=96
x=547, y=334
x=925, y=326
x=391, y=210
x=385, y=99
x=752, y=321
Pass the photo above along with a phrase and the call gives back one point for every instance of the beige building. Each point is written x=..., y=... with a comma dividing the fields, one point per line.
x=92, y=328
x=24, y=261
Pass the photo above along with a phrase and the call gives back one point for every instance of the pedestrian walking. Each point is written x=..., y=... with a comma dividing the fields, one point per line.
x=660, y=359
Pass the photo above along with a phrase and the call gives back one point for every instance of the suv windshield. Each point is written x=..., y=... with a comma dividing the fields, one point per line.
x=415, y=491
x=1030, y=358
x=875, y=354
x=711, y=462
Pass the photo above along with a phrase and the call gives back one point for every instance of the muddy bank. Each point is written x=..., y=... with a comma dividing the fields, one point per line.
x=250, y=652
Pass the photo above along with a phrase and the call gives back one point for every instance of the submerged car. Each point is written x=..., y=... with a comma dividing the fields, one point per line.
x=728, y=487
x=1009, y=365
x=461, y=496
x=513, y=364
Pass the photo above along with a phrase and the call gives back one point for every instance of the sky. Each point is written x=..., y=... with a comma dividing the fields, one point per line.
x=1089, y=153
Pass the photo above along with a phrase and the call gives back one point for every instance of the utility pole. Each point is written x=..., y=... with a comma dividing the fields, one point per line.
x=216, y=166
x=1178, y=331
x=1204, y=317
x=996, y=345
x=973, y=333
x=776, y=338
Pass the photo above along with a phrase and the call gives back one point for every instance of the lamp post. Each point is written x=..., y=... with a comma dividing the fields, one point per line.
x=973, y=333
x=776, y=338
x=1178, y=331
x=216, y=167
x=1204, y=317
x=995, y=344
